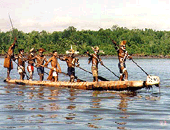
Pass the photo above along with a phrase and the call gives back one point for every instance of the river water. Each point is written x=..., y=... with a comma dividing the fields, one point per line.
x=24, y=107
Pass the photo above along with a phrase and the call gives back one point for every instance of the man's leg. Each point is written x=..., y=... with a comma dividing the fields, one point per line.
x=31, y=75
x=72, y=78
x=126, y=75
x=8, y=73
x=55, y=78
x=121, y=77
x=96, y=78
x=22, y=75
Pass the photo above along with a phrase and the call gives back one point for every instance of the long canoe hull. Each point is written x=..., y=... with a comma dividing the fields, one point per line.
x=101, y=85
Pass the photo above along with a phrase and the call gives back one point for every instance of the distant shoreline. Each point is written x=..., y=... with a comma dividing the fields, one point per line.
x=114, y=56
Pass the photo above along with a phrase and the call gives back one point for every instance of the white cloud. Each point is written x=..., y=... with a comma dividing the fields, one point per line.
x=57, y=15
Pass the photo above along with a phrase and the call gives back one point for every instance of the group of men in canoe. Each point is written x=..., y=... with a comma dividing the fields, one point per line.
x=40, y=61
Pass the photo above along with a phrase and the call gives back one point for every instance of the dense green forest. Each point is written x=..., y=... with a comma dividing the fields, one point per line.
x=139, y=41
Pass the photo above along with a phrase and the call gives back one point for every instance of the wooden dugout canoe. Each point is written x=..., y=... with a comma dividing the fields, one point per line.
x=101, y=85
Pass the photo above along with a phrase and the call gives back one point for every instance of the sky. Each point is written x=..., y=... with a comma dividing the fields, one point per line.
x=57, y=15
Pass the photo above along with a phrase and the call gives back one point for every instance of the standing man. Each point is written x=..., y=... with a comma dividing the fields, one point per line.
x=40, y=58
x=122, y=55
x=95, y=61
x=31, y=62
x=8, y=58
x=21, y=64
x=53, y=74
x=71, y=63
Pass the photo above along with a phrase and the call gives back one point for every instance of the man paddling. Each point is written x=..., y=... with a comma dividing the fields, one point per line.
x=40, y=58
x=95, y=61
x=8, y=58
x=21, y=64
x=122, y=55
x=53, y=74
x=31, y=62
x=71, y=63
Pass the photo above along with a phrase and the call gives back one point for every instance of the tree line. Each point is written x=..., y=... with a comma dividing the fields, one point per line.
x=139, y=41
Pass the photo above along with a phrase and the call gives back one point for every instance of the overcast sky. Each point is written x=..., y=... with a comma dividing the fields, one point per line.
x=57, y=15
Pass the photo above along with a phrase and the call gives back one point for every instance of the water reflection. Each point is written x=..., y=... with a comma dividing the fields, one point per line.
x=124, y=98
x=71, y=99
x=96, y=105
x=40, y=93
x=71, y=107
x=50, y=105
x=95, y=100
x=123, y=107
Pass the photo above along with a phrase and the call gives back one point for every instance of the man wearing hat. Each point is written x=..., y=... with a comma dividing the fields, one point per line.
x=122, y=55
x=71, y=63
x=31, y=62
x=8, y=58
x=95, y=61
x=40, y=58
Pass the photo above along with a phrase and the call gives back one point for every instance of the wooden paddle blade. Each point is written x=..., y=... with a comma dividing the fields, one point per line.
x=102, y=79
x=79, y=80
x=99, y=77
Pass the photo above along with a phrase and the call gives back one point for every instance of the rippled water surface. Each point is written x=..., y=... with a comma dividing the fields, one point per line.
x=39, y=107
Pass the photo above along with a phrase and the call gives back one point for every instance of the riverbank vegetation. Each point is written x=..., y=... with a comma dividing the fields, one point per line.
x=139, y=41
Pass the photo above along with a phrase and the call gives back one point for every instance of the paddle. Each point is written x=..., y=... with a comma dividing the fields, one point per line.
x=8, y=54
x=110, y=71
x=63, y=73
x=59, y=72
x=16, y=63
x=106, y=68
x=11, y=24
x=100, y=77
x=150, y=79
x=140, y=68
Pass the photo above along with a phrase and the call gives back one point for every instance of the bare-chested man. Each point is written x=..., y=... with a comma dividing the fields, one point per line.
x=40, y=58
x=31, y=62
x=8, y=58
x=95, y=61
x=71, y=63
x=122, y=55
x=53, y=74
x=21, y=64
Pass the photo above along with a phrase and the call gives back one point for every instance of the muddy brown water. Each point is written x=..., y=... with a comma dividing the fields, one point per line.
x=39, y=107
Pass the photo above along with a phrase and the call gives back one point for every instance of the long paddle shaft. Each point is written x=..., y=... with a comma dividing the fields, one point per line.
x=17, y=64
x=100, y=77
x=140, y=67
x=65, y=74
x=111, y=71
x=106, y=68
x=11, y=25
x=7, y=53
x=11, y=22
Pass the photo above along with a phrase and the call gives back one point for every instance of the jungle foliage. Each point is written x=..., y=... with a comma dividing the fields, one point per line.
x=139, y=41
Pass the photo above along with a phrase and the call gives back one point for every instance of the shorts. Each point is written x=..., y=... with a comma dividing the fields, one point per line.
x=20, y=69
x=71, y=71
x=40, y=70
x=122, y=66
x=30, y=68
x=55, y=73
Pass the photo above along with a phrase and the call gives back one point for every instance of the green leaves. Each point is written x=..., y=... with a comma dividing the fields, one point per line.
x=139, y=41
